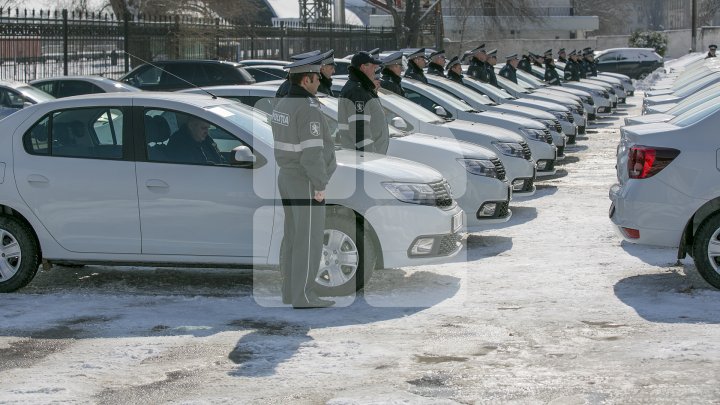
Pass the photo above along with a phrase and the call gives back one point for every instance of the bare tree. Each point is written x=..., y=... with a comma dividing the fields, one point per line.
x=6, y=4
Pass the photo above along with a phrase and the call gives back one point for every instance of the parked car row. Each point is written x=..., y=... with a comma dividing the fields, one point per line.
x=668, y=190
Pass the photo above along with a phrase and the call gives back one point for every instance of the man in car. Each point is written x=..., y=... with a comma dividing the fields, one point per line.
x=551, y=75
x=477, y=67
x=192, y=144
x=711, y=51
x=305, y=153
x=416, y=63
x=361, y=118
x=490, y=66
x=391, y=73
x=509, y=71
x=437, y=64
x=454, y=70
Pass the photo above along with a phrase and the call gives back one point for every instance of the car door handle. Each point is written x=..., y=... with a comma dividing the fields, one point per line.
x=153, y=183
x=36, y=178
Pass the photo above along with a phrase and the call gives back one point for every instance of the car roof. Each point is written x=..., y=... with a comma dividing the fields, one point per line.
x=13, y=84
x=87, y=78
x=200, y=100
x=208, y=61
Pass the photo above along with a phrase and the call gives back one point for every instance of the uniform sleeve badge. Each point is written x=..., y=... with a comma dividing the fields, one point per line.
x=315, y=128
x=359, y=106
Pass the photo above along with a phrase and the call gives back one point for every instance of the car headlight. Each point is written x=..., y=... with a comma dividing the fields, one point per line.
x=535, y=134
x=413, y=193
x=509, y=149
x=559, y=115
x=480, y=167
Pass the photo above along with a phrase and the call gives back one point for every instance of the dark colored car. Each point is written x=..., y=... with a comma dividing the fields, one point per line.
x=634, y=62
x=182, y=74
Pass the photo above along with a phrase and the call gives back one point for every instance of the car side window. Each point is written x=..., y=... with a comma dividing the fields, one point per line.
x=425, y=102
x=608, y=57
x=94, y=133
x=151, y=75
x=70, y=88
x=47, y=87
x=174, y=137
x=389, y=115
x=11, y=99
x=178, y=74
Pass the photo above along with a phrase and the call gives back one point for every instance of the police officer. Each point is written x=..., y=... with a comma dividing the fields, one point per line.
x=416, y=63
x=454, y=70
x=437, y=64
x=562, y=56
x=326, y=72
x=282, y=91
x=490, y=66
x=509, y=71
x=571, y=71
x=392, y=69
x=525, y=63
x=711, y=51
x=305, y=153
x=551, y=75
x=477, y=69
x=590, y=65
x=537, y=60
x=361, y=118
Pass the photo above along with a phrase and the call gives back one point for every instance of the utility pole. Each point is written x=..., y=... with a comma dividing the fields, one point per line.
x=694, y=25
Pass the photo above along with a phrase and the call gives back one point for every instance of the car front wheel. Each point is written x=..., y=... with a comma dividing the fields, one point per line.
x=19, y=254
x=706, y=250
x=348, y=258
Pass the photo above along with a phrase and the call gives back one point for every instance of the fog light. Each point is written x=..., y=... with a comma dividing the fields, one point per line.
x=631, y=233
x=518, y=184
x=542, y=164
x=487, y=210
x=423, y=246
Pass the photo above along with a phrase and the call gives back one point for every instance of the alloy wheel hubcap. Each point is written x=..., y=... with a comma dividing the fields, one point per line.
x=339, y=260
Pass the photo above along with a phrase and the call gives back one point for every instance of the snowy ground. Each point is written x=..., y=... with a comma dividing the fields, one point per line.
x=548, y=308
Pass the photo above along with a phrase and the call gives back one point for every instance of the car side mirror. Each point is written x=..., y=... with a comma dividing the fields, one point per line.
x=398, y=123
x=439, y=110
x=242, y=155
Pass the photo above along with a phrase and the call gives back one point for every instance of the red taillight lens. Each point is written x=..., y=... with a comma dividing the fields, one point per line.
x=647, y=161
x=631, y=233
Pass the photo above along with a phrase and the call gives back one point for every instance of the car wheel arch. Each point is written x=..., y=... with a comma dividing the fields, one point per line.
x=10, y=212
x=693, y=224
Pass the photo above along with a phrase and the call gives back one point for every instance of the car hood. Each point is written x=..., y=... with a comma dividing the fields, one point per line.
x=661, y=99
x=648, y=119
x=390, y=168
x=548, y=105
x=501, y=134
x=565, y=89
x=510, y=117
x=661, y=108
x=535, y=112
x=661, y=92
x=447, y=145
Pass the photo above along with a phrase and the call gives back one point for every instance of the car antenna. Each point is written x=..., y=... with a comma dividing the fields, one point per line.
x=171, y=74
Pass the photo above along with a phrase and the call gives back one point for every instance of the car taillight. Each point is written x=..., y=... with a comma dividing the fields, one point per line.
x=647, y=161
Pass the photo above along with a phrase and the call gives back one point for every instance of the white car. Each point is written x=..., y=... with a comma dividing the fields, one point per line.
x=682, y=93
x=476, y=174
x=91, y=179
x=67, y=86
x=15, y=96
x=668, y=193
x=601, y=98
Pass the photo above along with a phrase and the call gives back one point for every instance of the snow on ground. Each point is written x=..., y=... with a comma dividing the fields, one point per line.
x=549, y=308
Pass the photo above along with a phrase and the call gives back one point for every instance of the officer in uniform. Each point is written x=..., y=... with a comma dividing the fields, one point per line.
x=282, y=91
x=416, y=63
x=437, y=64
x=571, y=71
x=562, y=56
x=509, y=71
x=326, y=72
x=477, y=69
x=361, y=118
x=454, y=70
x=581, y=65
x=305, y=153
x=711, y=51
x=392, y=69
x=537, y=60
x=590, y=65
x=490, y=66
x=551, y=75
x=525, y=63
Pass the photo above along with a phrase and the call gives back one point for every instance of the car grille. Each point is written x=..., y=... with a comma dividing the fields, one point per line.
x=502, y=209
x=449, y=244
x=579, y=110
x=550, y=166
x=528, y=185
x=590, y=101
x=499, y=168
x=605, y=94
x=526, y=150
x=558, y=127
x=570, y=117
x=560, y=150
x=548, y=137
x=443, y=198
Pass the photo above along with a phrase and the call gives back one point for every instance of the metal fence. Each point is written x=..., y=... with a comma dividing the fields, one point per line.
x=39, y=44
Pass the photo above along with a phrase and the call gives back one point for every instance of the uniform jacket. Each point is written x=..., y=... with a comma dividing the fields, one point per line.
x=572, y=72
x=303, y=142
x=414, y=72
x=391, y=81
x=492, y=79
x=183, y=148
x=282, y=91
x=590, y=68
x=477, y=70
x=582, y=69
x=525, y=65
x=563, y=60
x=435, y=69
x=361, y=118
x=709, y=56
x=455, y=77
x=326, y=86
x=509, y=72
x=551, y=75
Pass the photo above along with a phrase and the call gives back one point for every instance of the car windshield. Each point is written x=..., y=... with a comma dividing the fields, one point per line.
x=34, y=94
x=695, y=115
x=494, y=92
x=447, y=98
x=408, y=107
x=692, y=88
x=511, y=85
x=527, y=77
x=687, y=105
x=458, y=88
x=330, y=105
x=251, y=120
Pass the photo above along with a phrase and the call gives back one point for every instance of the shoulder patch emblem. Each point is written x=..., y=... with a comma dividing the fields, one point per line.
x=359, y=106
x=315, y=128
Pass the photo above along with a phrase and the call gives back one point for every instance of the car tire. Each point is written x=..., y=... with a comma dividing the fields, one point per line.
x=708, y=267
x=345, y=235
x=19, y=254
